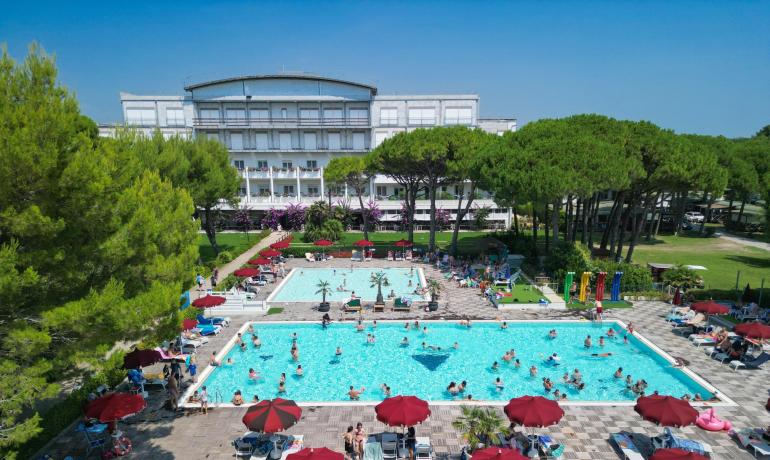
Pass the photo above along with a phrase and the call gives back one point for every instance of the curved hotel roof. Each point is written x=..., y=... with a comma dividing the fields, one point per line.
x=317, y=78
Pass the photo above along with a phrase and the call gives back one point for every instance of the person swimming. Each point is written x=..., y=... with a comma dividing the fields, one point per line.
x=499, y=384
x=495, y=366
x=533, y=371
x=553, y=360
x=255, y=341
x=338, y=351
x=405, y=342
x=253, y=375
x=587, y=342
x=452, y=389
x=618, y=373
x=552, y=333
x=300, y=372
x=601, y=355
x=504, y=325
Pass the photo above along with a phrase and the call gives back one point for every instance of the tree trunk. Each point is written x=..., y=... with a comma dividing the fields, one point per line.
x=432, y=236
x=707, y=217
x=660, y=215
x=655, y=212
x=545, y=228
x=639, y=225
x=596, y=202
x=740, y=213
x=620, y=230
x=729, y=219
x=515, y=220
x=555, y=221
x=534, y=229
x=211, y=231
x=364, y=214
x=576, y=223
x=609, y=231
x=411, y=203
x=568, y=219
x=461, y=213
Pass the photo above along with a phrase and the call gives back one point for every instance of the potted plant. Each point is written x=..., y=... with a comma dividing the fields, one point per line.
x=479, y=426
x=434, y=288
x=323, y=288
x=379, y=279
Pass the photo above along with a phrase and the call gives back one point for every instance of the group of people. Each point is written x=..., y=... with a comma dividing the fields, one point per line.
x=354, y=440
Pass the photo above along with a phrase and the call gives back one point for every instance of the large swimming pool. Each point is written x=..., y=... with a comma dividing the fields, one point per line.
x=302, y=284
x=426, y=372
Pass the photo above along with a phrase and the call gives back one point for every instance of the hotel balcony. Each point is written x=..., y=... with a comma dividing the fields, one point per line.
x=267, y=123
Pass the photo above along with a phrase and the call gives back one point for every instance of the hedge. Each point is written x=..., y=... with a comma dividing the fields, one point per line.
x=731, y=295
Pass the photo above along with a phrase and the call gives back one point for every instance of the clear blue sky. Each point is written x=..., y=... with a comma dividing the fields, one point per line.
x=701, y=67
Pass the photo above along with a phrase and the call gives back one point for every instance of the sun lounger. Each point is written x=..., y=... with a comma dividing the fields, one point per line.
x=399, y=304
x=752, y=441
x=309, y=257
x=207, y=329
x=214, y=320
x=353, y=305
x=626, y=445
x=755, y=363
x=668, y=441
x=423, y=449
x=373, y=451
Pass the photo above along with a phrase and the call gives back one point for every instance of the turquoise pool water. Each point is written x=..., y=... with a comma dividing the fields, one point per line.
x=426, y=373
x=302, y=284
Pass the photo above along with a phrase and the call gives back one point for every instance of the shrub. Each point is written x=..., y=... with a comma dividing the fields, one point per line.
x=330, y=229
x=682, y=277
x=224, y=257
x=227, y=282
x=568, y=257
x=635, y=278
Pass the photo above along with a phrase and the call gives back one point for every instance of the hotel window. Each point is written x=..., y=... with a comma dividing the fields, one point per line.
x=284, y=113
x=284, y=140
x=333, y=116
x=242, y=191
x=235, y=114
x=174, y=117
x=310, y=141
x=312, y=191
x=309, y=115
x=236, y=141
x=379, y=137
x=359, y=116
x=259, y=114
x=239, y=165
x=287, y=165
x=335, y=141
x=458, y=116
x=210, y=114
x=312, y=164
x=142, y=117
x=261, y=139
x=288, y=190
x=262, y=164
x=213, y=136
x=422, y=116
x=388, y=117
x=264, y=191
x=382, y=191
x=359, y=141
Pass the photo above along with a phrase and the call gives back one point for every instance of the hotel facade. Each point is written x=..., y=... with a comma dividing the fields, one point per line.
x=282, y=130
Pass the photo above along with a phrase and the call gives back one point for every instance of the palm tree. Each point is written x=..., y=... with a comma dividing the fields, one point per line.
x=478, y=426
x=323, y=288
x=434, y=288
x=379, y=279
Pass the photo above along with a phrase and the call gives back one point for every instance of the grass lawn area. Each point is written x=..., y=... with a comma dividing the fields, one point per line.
x=607, y=304
x=722, y=258
x=236, y=243
x=521, y=293
x=443, y=239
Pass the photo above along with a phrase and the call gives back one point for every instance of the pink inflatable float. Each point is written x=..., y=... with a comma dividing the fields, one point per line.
x=709, y=421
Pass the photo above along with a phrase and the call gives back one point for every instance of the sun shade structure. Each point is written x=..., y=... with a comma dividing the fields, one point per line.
x=498, y=453
x=114, y=407
x=710, y=308
x=271, y=416
x=666, y=410
x=533, y=411
x=140, y=358
x=315, y=453
x=675, y=454
x=283, y=244
x=246, y=272
x=260, y=261
x=270, y=252
x=209, y=301
x=189, y=324
x=364, y=243
x=403, y=244
x=323, y=243
x=402, y=411
x=753, y=330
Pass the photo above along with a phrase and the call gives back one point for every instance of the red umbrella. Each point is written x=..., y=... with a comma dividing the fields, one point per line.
x=272, y=416
x=260, y=261
x=270, y=252
x=141, y=358
x=209, y=301
x=753, y=330
x=283, y=244
x=246, y=272
x=323, y=243
x=404, y=244
x=533, y=411
x=116, y=406
x=315, y=453
x=402, y=411
x=498, y=453
x=188, y=324
x=677, y=297
x=675, y=454
x=666, y=410
x=710, y=308
x=364, y=243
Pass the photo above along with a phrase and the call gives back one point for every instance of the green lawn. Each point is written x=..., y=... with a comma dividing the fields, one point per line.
x=722, y=258
x=235, y=243
x=443, y=239
x=521, y=293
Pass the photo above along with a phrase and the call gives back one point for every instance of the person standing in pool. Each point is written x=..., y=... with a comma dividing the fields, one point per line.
x=587, y=342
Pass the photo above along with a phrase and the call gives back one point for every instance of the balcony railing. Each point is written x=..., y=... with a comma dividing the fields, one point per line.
x=201, y=122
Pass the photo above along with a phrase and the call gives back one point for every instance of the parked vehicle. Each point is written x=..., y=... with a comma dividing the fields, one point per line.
x=694, y=217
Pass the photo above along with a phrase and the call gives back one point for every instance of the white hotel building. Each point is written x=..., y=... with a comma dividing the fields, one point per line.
x=281, y=130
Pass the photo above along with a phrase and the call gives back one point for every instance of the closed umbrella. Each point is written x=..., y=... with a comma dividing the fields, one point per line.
x=209, y=301
x=246, y=272
x=315, y=453
x=666, y=410
x=141, y=358
x=402, y=411
x=271, y=416
x=116, y=406
x=676, y=454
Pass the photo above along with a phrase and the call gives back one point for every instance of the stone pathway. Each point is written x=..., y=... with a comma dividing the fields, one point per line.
x=584, y=430
x=745, y=241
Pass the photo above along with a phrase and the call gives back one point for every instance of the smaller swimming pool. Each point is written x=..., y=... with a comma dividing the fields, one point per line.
x=302, y=284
